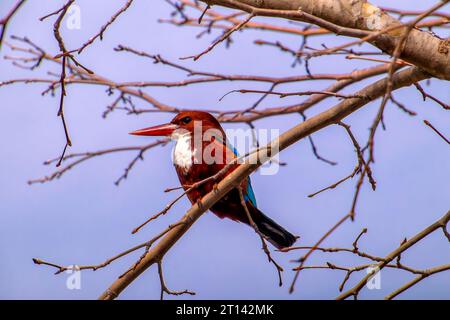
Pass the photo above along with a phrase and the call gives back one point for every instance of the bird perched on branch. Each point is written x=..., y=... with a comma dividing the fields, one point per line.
x=201, y=152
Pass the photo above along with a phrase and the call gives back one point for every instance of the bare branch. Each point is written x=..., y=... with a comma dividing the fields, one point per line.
x=437, y=131
x=164, y=288
x=5, y=20
x=391, y=256
x=262, y=236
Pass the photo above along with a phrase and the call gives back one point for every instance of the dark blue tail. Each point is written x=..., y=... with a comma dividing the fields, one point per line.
x=276, y=234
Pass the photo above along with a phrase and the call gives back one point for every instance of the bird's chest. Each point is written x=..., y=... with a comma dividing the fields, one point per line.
x=183, y=154
x=188, y=161
x=192, y=168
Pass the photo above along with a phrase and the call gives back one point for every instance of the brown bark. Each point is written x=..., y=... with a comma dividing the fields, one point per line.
x=421, y=48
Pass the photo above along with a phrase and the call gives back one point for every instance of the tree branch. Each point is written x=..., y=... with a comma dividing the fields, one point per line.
x=5, y=20
x=441, y=223
x=332, y=115
x=357, y=19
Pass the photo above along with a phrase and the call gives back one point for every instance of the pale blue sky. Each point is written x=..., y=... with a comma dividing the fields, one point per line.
x=83, y=218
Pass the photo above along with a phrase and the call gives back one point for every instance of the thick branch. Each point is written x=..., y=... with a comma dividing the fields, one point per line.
x=422, y=49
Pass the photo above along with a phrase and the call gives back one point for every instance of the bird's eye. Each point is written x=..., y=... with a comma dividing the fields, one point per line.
x=186, y=120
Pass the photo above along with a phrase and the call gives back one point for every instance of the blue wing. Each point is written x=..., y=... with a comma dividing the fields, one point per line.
x=249, y=195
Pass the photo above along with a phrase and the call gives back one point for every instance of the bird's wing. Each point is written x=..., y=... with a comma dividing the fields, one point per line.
x=249, y=195
x=231, y=153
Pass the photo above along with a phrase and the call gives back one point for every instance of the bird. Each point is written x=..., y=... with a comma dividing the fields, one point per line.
x=201, y=151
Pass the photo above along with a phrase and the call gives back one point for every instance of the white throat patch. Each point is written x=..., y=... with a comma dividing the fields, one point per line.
x=182, y=153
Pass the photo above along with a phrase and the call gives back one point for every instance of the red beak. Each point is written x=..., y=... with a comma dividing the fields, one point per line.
x=161, y=130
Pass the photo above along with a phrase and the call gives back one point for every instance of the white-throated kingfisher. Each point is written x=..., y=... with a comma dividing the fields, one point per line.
x=201, y=151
